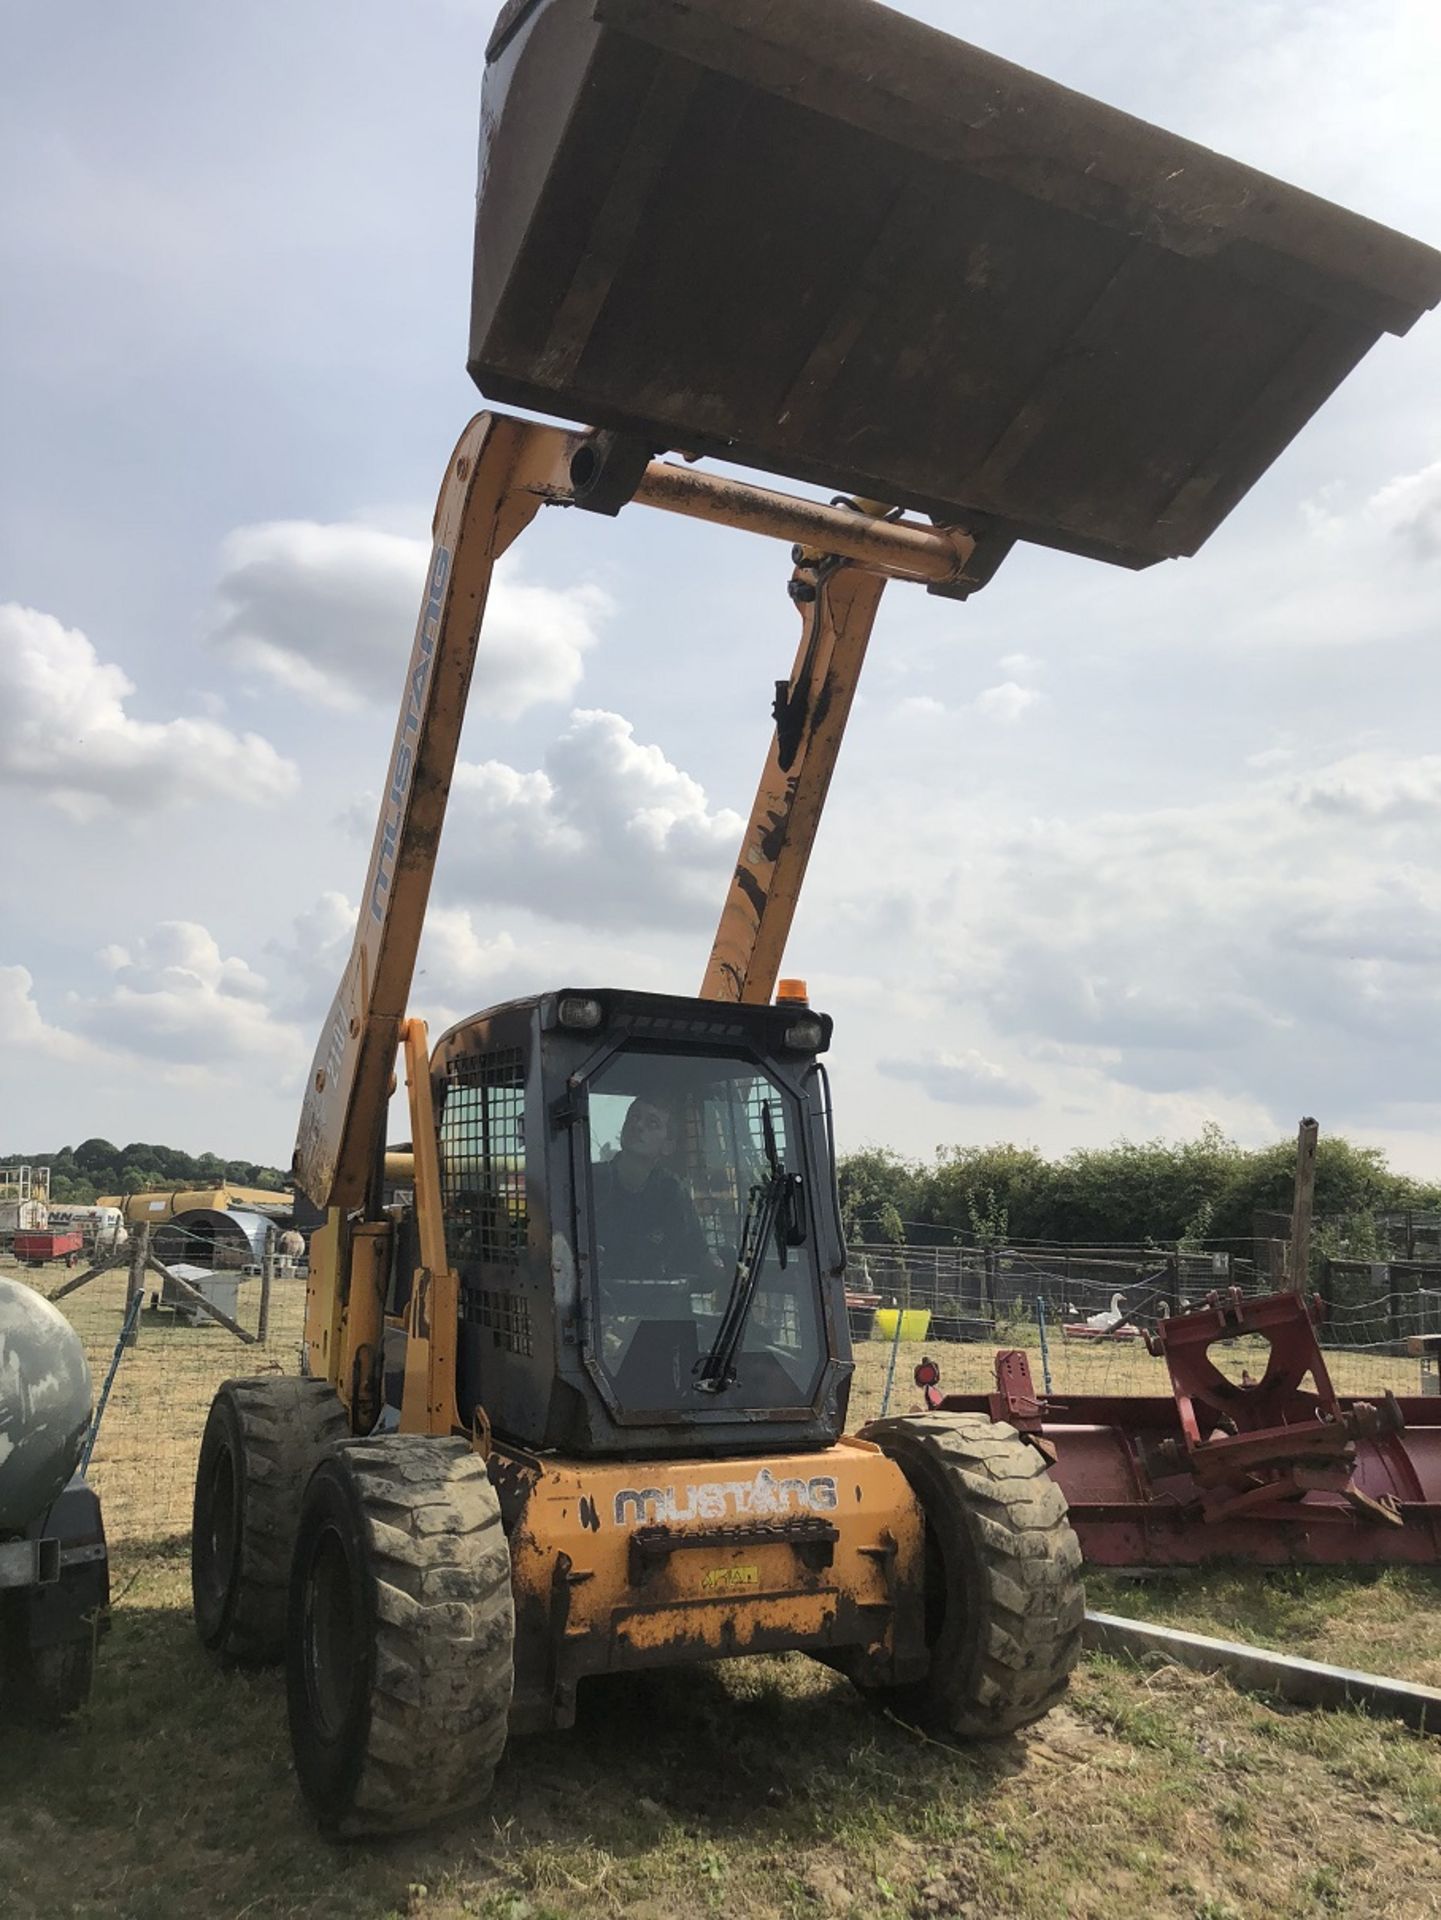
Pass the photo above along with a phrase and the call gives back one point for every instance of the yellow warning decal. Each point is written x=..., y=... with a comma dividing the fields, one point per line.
x=727, y=1577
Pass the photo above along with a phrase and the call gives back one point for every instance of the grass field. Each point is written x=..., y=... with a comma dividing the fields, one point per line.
x=763, y=1789
x=1386, y=1621
x=1098, y=1366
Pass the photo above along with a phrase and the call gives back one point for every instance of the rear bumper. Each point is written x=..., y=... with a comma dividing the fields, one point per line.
x=618, y=1567
x=57, y=1578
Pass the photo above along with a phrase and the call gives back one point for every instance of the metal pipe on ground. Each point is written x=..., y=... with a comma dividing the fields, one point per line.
x=1309, y=1683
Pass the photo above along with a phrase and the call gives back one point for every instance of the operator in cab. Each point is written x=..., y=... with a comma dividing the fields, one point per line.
x=647, y=1227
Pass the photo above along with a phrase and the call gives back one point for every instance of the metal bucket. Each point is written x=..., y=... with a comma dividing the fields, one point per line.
x=823, y=239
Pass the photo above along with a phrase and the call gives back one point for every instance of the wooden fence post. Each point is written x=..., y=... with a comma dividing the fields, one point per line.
x=267, y=1274
x=1300, y=1253
x=139, y=1255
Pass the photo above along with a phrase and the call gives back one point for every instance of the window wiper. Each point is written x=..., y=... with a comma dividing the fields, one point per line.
x=765, y=1217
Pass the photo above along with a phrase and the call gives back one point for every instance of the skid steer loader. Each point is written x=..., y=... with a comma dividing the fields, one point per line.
x=578, y=1405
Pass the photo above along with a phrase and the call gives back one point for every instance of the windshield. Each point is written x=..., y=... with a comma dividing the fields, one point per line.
x=676, y=1146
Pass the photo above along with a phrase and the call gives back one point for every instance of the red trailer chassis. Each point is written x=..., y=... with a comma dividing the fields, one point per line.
x=1276, y=1471
x=38, y=1246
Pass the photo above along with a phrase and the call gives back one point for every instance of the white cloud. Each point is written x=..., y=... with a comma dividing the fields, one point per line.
x=965, y=1079
x=1344, y=573
x=310, y=957
x=457, y=957
x=1274, y=756
x=327, y=611
x=1007, y=702
x=1376, y=787
x=65, y=733
x=177, y=1001
x=919, y=706
x=1410, y=510
x=465, y=964
x=608, y=833
x=1407, y=509
x=23, y=1028
x=456, y=968
x=1261, y=945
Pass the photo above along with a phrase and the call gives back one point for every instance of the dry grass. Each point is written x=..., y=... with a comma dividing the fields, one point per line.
x=1096, y=1366
x=761, y=1789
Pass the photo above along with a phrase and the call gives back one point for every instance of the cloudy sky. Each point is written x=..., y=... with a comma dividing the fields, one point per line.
x=1106, y=853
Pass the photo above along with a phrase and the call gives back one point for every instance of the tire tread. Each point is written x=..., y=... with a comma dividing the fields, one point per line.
x=1003, y=1513
x=443, y=1662
x=286, y=1425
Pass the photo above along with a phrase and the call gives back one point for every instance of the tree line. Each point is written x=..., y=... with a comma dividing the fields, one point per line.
x=1190, y=1194
x=79, y=1175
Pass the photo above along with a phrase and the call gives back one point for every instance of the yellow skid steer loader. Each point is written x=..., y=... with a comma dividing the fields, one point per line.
x=579, y=1406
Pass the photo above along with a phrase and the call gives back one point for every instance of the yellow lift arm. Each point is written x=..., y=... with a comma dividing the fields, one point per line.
x=502, y=472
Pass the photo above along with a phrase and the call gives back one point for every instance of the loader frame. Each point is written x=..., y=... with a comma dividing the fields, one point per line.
x=502, y=472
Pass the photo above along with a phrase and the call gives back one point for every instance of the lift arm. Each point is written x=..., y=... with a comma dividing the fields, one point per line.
x=838, y=608
x=499, y=475
x=502, y=472
x=838, y=602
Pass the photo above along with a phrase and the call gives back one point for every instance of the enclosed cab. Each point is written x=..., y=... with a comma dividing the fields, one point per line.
x=600, y=1156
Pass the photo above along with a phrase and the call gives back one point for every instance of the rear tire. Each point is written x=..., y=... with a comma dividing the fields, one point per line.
x=400, y=1635
x=260, y=1446
x=1004, y=1600
x=41, y=1686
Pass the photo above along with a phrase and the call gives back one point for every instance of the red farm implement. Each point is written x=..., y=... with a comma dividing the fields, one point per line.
x=1275, y=1469
x=38, y=1246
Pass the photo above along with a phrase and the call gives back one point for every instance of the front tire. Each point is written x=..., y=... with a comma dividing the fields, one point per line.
x=1004, y=1600
x=400, y=1635
x=260, y=1445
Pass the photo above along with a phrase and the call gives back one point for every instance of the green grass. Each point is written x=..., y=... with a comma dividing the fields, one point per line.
x=758, y=1788
x=1381, y=1621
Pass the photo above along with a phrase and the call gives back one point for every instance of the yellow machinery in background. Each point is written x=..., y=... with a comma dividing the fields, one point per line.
x=157, y=1205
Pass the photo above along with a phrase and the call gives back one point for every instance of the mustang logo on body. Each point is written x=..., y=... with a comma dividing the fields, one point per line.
x=764, y=1498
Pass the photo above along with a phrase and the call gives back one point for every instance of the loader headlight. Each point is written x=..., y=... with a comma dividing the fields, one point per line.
x=577, y=1010
x=804, y=1035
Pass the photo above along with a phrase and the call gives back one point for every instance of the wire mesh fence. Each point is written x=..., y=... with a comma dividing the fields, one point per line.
x=1076, y=1317
x=143, y=1465
x=955, y=1306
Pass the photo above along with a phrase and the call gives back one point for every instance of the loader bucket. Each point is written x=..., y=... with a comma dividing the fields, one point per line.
x=820, y=238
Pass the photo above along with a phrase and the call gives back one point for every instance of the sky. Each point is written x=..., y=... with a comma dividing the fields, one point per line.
x=1107, y=854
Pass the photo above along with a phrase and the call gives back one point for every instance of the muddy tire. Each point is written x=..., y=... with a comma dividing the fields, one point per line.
x=41, y=1686
x=400, y=1635
x=1004, y=1601
x=260, y=1446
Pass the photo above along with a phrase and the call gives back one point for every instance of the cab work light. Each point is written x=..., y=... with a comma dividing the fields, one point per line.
x=576, y=1010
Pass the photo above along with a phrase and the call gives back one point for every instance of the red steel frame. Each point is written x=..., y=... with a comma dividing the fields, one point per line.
x=1273, y=1471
